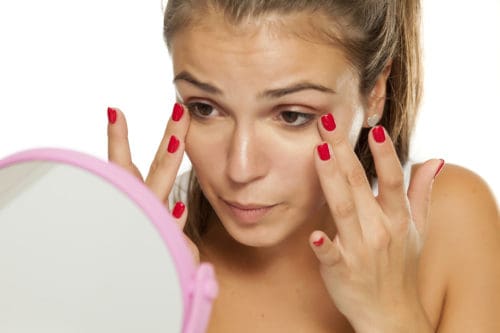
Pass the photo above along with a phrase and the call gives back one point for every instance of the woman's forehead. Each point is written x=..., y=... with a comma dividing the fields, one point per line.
x=233, y=53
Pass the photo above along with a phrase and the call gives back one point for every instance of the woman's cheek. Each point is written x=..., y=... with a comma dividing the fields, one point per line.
x=198, y=143
x=294, y=161
x=356, y=125
x=205, y=148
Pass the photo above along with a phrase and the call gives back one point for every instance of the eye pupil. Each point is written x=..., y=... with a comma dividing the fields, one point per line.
x=204, y=109
x=290, y=117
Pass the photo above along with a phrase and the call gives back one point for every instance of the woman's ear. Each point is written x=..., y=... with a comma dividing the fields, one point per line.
x=377, y=97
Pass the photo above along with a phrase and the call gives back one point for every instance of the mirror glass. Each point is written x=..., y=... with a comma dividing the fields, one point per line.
x=78, y=255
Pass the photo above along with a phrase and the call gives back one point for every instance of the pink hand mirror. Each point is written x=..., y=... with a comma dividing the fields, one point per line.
x=86, y=247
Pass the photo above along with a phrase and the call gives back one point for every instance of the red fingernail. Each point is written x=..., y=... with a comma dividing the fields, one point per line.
x=440, y=167
x=324, y=152
x=319, y=242
x=178, y=209
x=178, y=112
x=378, y=134
x=173, y=144
x=328, y=122
x=111, y=115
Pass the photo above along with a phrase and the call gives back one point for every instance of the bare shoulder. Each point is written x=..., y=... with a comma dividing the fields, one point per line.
x=464, y=242
x=461, y=197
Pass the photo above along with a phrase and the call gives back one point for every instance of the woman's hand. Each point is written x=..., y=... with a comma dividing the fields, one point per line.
x=163, y=170
x=370, y=267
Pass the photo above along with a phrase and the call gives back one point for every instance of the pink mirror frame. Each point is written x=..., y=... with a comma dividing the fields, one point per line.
x=198, y=283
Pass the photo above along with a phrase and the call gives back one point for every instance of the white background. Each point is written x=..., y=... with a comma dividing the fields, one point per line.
x=63, y=62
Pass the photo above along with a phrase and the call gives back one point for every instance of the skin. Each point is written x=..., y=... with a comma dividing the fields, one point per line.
x=245, y=139
x=243, y=150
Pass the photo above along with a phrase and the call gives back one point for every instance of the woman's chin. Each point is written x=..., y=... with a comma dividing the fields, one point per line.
x=258, y=236
x=256, y=242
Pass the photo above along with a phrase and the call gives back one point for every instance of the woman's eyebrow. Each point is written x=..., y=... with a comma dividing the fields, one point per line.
x=293, y=88
x=207, y=87
x=273, y=93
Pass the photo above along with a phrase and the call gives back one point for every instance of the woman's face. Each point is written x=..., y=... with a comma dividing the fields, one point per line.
x=255, y=94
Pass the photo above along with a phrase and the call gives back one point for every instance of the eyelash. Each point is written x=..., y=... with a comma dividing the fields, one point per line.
x=194, y=109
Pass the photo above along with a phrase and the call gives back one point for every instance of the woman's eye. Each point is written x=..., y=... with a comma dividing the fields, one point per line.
x=202, y=110
x=292, y=118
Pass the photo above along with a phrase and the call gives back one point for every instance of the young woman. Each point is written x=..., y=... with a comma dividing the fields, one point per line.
x=296, y=116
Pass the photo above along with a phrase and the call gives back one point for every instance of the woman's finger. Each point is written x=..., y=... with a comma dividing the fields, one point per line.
x=169, y=155
x=344, y=153
x=326, y=251
x=419, y=192
x=338, y=196
x=180, y=214
x=118, y=145
x=363, y=200
x=391, y=186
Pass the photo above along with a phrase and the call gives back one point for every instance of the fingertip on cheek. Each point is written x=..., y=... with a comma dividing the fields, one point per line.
x=323, y=152
x=328, y=122
x=177, y=112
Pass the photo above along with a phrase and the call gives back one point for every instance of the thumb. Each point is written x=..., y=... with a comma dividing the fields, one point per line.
x=419, y=192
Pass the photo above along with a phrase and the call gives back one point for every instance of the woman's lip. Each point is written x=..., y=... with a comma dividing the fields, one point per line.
x=247, y=206
x=249, y=213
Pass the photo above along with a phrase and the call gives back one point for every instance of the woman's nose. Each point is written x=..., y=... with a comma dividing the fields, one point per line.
x=246, y=160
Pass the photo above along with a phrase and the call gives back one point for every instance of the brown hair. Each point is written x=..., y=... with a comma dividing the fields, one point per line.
x=373, y=33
